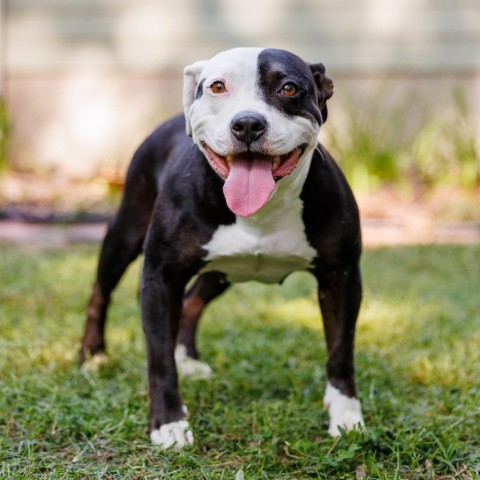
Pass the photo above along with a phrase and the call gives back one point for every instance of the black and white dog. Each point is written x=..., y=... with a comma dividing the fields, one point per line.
x=250, y=196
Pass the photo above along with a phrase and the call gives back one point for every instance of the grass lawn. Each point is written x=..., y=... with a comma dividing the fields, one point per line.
x=261, y=417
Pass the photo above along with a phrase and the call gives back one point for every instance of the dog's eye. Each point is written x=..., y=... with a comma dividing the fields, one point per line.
x=217, y=87
x=289, y=89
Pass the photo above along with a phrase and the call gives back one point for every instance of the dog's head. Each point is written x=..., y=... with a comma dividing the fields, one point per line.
x=255, y=114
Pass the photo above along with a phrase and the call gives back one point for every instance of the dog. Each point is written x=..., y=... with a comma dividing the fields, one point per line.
x=236, y=189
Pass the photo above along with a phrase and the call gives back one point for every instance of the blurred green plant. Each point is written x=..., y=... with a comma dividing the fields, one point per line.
x=4, y=134
x=367, y=143
x=406, y=144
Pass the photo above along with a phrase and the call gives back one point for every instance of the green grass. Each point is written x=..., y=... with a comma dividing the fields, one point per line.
x=261, y=417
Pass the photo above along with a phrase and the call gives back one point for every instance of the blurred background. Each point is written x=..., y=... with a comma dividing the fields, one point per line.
x=82, y=82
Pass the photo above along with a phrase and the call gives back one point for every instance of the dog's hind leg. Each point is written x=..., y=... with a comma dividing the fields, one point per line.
x=206, y=287
x=340, y=293
x=121, y=245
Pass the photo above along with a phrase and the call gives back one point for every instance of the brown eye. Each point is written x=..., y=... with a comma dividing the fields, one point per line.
x=217, y=87
x=289, y=89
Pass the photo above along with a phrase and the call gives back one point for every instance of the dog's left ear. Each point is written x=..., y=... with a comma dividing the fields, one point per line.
x=191, y=76
x=324, y=87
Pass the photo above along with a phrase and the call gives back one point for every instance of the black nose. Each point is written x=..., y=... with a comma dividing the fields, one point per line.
x=248, y=126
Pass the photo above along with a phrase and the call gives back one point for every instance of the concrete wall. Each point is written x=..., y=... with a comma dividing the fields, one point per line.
x=86, y=80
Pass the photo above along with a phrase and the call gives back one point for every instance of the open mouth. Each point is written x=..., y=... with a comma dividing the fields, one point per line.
x=251, y=177
x=281, y=165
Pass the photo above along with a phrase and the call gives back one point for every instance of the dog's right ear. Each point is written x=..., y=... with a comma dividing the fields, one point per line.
x=191, y=76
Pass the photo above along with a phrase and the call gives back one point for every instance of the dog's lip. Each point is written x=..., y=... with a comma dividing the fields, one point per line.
x=282, y=164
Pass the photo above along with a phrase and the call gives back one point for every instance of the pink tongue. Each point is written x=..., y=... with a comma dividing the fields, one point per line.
x=248, y=186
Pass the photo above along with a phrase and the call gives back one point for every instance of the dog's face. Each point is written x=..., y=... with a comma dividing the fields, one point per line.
x=255, y=114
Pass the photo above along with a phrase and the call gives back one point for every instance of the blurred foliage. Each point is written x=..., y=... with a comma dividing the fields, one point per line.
x=406, y=144
x=4, y=134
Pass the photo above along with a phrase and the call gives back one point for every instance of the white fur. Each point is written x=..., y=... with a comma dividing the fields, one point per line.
x=191, y=76
x=345, y=412
x=174, y=435
x=96, y=362
x=189, y=367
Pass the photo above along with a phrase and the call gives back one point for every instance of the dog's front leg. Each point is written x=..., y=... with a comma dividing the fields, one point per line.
x=161, y=300
x=340, y=293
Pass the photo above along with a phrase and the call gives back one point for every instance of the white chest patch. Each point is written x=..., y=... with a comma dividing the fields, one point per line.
x=266, y=246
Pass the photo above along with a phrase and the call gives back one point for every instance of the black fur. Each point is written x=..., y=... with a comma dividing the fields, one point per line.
x=275, y=69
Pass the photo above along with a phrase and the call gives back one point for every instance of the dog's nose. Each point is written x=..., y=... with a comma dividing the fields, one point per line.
x=248, y=126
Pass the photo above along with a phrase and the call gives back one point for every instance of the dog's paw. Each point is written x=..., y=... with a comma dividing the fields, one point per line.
x=188, y=367
x=345, y=412
x=175, y=435
x=95, y=362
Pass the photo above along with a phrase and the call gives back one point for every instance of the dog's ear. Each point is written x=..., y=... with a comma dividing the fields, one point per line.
x=191, y=76
x=324, y=87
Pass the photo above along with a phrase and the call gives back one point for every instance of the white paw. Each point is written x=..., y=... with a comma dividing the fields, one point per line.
x=95, y=362
x=189, y=367
x=345, y=412
x=174, y=435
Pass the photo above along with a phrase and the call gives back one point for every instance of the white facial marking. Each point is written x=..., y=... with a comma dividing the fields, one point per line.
x=210, y=116
x=271, y=243
x=189, y=367
x=345, y=412
x=174, y=435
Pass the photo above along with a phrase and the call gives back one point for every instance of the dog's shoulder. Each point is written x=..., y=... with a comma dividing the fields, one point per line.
x=170, y=130
x=326, y=184
x=167, y=136
x=167, y=141
x=329, y=205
